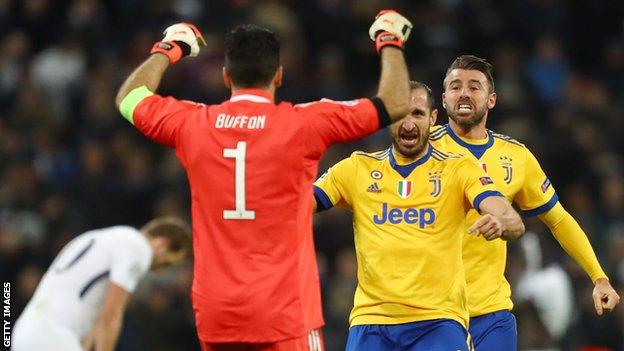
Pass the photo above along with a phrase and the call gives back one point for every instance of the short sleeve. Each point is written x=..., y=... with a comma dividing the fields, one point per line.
x=332, y=188
x=341, y=121
x=476, y=184
x=537, y=194
x=159, y=118
x=131, y=261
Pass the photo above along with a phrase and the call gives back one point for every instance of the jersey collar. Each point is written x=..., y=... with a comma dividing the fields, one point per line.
x=405, y=170
x=476, y=149
x=253, y=95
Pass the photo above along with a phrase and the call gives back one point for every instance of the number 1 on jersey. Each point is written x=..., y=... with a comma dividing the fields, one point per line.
x=239, y=183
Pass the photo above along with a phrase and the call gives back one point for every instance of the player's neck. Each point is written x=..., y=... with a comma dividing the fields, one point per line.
x=270, y=90
x=475, y=132
x=403, y=159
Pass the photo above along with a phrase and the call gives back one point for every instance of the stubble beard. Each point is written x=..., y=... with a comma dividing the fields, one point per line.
x=468, y=123
x=411, y=153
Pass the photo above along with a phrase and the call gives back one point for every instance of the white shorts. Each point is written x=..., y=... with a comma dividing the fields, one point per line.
x=29, y=334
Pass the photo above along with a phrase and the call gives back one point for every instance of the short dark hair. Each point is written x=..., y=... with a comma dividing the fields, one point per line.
x=172, y=228
x=252, y=56
x=419, y=85
x=472, y=62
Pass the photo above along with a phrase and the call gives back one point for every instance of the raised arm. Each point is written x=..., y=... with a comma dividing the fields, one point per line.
x=390, y=31
x=181, y=39
x=499, y=220
x=149, y=74
x=394, y=83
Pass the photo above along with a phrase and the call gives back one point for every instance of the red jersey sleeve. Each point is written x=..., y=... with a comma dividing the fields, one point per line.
x=162, y=119
x=341, y=121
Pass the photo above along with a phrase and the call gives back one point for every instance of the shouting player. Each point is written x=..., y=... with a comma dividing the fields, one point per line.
x=468, y=96
x=251, y=163
x=80, y=301
x=409, y=205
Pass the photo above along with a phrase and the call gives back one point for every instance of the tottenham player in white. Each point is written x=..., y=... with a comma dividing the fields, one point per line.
x=80, y=301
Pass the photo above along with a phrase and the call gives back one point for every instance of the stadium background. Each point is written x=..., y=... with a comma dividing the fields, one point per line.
x=69, y=162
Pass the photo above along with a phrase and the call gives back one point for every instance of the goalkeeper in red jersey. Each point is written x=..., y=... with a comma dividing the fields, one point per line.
x=251, y=163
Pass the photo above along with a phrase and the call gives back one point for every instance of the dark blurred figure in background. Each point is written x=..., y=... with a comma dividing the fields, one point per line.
x=65, y=157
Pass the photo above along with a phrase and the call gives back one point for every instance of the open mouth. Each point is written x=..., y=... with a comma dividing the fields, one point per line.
x=409, y=139
x=464, y=107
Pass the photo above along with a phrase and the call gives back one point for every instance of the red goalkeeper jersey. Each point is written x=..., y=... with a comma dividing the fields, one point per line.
x=251, y=164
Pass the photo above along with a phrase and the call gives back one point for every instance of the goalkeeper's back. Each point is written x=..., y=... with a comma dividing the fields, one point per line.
x=251, y=164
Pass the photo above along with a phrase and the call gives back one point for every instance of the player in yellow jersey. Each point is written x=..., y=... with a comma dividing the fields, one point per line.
x=468, y=96
x=409, y=205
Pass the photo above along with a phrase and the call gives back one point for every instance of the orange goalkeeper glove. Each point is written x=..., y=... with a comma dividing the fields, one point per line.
x=389, y=28
x=181, y=40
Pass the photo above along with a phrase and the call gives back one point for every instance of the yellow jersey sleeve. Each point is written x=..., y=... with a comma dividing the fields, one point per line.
x=332, y=188
x=537, y=194
x=476, y=184
x=572, y=238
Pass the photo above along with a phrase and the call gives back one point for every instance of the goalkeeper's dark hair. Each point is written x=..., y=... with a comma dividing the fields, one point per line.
x=472, y=62
x=176, y=230
x=252, y=56
x=419, y=85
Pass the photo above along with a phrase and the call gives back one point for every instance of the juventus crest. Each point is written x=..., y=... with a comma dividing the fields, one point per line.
x=435, y=178
x=506, y=164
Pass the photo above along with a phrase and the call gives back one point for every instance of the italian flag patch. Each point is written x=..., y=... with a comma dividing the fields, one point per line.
x=404, y=188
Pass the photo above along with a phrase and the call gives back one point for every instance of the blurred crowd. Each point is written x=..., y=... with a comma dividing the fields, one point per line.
x=69, y=162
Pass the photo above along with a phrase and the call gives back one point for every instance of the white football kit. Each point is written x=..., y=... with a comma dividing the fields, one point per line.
x=70, y=294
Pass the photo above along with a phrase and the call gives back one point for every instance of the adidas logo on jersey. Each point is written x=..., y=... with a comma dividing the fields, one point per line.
x=373, y=188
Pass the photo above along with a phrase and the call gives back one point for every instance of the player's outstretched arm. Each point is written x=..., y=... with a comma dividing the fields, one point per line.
x=390, y=31
x=181, y=40
x=574, y=241
x=108, y=324
x=500, y=220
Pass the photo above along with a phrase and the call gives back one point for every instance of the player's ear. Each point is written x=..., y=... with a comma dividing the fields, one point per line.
x=277, y=78
x=491, y=101
x=433, y=117
x=226, y=78
x=443, y=100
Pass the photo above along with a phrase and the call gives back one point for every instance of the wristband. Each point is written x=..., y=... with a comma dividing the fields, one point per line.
x=174, y=50
x=386, y=38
